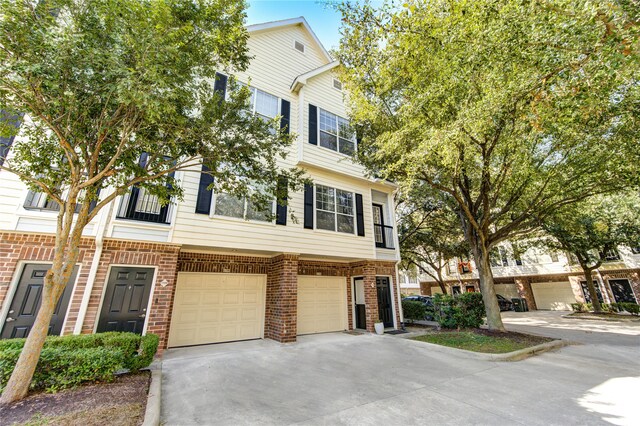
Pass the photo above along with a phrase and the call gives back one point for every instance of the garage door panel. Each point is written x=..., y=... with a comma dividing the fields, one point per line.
x=213, y=308
x=321, y=304
x=556, y=296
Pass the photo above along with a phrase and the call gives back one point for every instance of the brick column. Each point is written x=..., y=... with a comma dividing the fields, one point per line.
x=370, y=295
x=634, y=280
x=282, y=299
x=524, y=289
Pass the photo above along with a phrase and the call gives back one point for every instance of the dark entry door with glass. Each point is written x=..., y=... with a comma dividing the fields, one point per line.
x=126, y=298
x=587, y=295
x=361, y=312
x=27, y=299
x=384, y=301
x=622, y=291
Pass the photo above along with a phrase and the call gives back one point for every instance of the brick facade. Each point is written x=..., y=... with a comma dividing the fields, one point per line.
x=168, y=260
x=523, y=283
x=16, y=247
x=282, y=299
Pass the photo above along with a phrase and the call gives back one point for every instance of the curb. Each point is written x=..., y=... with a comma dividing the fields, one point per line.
x=152, y=412
x=618, y=320
x=509, y=356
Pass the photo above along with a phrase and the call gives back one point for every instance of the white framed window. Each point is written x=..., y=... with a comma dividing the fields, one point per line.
x=334, y=209
x=229, y=205
x=337, y=84
x=264, y=104
x=336, y=133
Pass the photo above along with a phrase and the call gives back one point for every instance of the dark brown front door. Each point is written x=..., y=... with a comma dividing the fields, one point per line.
x=622, y=291
x=125, y=301
x=27, y=299
x=361, y=312
x=384, y=301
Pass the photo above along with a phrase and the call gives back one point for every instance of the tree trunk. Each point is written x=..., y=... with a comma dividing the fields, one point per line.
x=595, y=302
x=18, y=384
x=492, y=308
x=65, y=257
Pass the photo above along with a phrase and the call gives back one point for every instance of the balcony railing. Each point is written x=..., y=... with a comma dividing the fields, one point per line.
x=140, y=205
x=384, y=236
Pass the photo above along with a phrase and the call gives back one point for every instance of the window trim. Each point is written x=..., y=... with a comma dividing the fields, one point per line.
x=335, y=212
x=337, y=135
x=254, y=97
x=214, y=215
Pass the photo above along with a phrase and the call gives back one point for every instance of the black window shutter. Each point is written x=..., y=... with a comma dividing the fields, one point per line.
x=281, y=210
x=203, y=203
x=308, y=206
x=359, y=215
x=313, y=125
x=5, y=142
x=220, y=85
x=285, y=112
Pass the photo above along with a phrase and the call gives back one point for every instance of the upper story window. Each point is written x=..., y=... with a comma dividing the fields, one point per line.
x=335, y=209
x=41, y=201
x=298, y=46
x=263, y=104
x=241, y=207
x=337, y=84
x=336, y=133
x=498, y=257
x=610, y=255
x=383, y=233
x=9, y=120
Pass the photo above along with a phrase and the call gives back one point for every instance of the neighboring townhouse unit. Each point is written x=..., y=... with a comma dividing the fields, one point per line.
x=211, y=268
x=551, y=281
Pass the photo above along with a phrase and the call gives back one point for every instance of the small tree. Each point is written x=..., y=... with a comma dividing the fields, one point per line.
x=429, y=233
x=592, y=229
x=512, y=109
x=123, y=93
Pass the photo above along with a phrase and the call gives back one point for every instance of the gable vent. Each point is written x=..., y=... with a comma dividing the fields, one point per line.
x=298, y=46
x=337, y=84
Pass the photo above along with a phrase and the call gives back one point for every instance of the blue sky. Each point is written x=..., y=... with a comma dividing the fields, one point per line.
x=324, y=21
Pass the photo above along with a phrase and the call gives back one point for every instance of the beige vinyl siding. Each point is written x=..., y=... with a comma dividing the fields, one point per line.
x=14, y=193
x=319, y=91
x=221, y=232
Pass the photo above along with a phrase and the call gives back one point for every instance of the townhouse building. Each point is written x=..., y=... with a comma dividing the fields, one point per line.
x=210, y=268
x=546, y=280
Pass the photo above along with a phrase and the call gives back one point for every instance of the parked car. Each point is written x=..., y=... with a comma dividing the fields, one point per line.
x=505, y=304
x=428, y=301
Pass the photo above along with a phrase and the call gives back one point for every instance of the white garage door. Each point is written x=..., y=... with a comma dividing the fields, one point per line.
x=322, y=304
x=213, y=308
x=553, y=296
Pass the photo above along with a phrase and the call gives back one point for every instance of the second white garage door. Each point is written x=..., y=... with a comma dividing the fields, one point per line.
x=213, y=308
x=553, y=296
x=322, y=304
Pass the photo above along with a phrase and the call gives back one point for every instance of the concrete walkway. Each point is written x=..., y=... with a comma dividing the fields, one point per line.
x=371, y=380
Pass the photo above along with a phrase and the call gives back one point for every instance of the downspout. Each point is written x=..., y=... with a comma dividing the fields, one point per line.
x=93, y=270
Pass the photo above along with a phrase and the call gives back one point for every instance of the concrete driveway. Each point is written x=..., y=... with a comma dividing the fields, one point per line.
x=367, y=379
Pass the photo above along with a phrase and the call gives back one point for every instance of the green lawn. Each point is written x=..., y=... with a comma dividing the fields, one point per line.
x=477, y=342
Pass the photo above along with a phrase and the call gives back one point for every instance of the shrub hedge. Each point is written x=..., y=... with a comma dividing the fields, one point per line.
x=464, y=310
x=67, y=361
x=413, y=310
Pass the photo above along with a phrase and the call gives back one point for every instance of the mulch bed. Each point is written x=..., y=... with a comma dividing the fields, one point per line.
x=528, y=339
x=121, y=402
x=482, y=340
